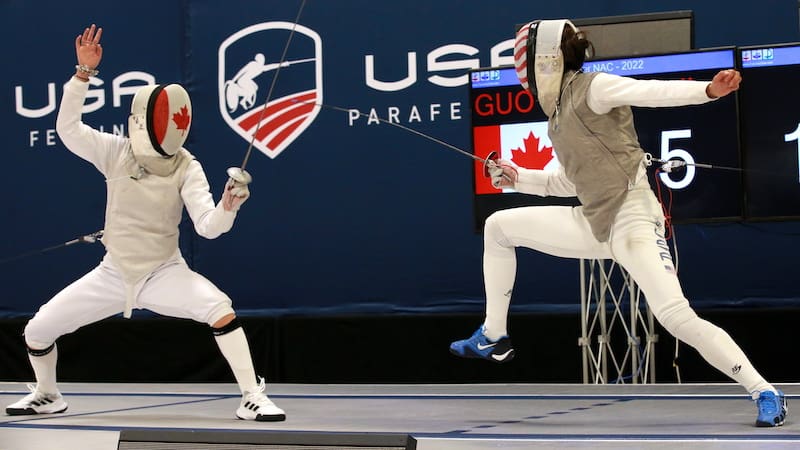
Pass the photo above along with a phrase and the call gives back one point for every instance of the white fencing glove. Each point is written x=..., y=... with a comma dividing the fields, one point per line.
x=503, y=173
x=236, y=191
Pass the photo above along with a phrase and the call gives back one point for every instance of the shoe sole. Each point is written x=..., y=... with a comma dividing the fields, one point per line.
x=761, y=424
x=263, y=418
x=769, y=425
x=271, y=418
x=29, y=412
x=508, y=357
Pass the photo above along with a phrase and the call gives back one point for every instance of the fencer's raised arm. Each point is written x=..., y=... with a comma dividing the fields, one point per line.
x=99, y=148
x=210, y=220
x=89, y=144
x=609, y=91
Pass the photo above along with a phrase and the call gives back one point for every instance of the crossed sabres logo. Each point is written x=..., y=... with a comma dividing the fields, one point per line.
x=243, y=87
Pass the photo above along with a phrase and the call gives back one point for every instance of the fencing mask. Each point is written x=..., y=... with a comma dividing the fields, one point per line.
x=538, y=60
x=161, y=116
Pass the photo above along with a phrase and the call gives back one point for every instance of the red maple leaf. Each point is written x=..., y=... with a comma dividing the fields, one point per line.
x=182, y=119
x=532, y=157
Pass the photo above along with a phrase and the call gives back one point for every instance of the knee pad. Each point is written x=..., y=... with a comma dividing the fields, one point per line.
x=37, y=352
x=231, y=326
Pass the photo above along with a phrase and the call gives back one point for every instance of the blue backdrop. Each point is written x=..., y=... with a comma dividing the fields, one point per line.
x=353, y=214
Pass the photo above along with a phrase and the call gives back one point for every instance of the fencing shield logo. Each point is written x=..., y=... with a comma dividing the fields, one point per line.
x=249, y=61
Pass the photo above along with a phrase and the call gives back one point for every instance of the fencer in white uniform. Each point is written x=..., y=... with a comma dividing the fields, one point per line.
x=150, y=178
x=602, y=163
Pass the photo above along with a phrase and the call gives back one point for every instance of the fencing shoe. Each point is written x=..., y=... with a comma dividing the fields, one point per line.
x=257, y=406
x=771, y=409
x=479, y=346
x=37, y=403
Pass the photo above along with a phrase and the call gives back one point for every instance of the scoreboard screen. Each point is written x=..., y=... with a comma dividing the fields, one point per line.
x=770, y=124
x=507, y=119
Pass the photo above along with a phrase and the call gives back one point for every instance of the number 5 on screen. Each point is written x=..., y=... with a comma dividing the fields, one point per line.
x=677, y=153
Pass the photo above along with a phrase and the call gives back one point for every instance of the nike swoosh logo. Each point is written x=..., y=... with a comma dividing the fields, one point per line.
x=503, y=356
x=484, y=347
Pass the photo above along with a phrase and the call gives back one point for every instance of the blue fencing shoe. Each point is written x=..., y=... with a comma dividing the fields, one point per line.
x=771, y=409
x=479, y=346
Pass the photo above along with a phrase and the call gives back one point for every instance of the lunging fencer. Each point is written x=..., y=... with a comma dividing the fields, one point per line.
x=590, y=124
x=150, y=178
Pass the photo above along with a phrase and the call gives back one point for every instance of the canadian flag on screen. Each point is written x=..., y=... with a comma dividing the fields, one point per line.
x=526, y=144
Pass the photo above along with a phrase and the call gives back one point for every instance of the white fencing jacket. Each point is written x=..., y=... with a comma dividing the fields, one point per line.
x=143, y=210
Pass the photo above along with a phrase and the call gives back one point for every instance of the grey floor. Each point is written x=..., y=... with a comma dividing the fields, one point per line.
x=438, y=417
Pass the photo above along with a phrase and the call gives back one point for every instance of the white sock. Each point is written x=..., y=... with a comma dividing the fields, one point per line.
x=499, y=272
x=236, y=351
x=44, y=368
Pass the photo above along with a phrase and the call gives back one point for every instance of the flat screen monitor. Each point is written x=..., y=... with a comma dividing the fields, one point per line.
x=637, y=34
x=506, y=119
x=770, y=123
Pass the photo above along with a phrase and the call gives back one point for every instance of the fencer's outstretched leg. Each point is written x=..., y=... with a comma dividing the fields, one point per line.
x=232, y=342
x=44, y=397
x=639, y=246
x=717, y=347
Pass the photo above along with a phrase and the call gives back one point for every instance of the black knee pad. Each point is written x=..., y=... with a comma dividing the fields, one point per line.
x=231, y=326
x=34, y=352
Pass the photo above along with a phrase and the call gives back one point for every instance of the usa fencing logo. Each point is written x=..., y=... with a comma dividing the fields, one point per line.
x=249, y=60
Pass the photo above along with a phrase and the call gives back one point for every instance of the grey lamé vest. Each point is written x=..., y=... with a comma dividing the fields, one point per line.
x=600, y=153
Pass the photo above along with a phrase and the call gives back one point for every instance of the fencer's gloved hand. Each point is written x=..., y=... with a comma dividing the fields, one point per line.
x=236, y=191
x=723, y=83
x=503, y=173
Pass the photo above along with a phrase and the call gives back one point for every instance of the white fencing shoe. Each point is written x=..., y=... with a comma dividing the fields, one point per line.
x=257, y=406
x=37, y=403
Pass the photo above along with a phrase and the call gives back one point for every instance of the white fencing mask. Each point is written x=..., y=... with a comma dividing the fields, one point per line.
x=161, y=116
x=537, y=55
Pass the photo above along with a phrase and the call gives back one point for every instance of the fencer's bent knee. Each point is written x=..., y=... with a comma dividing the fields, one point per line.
x=218, y=312
x=492, y=231
x=38, y=337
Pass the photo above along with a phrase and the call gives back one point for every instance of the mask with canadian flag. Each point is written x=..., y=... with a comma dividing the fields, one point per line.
x=161, y=116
